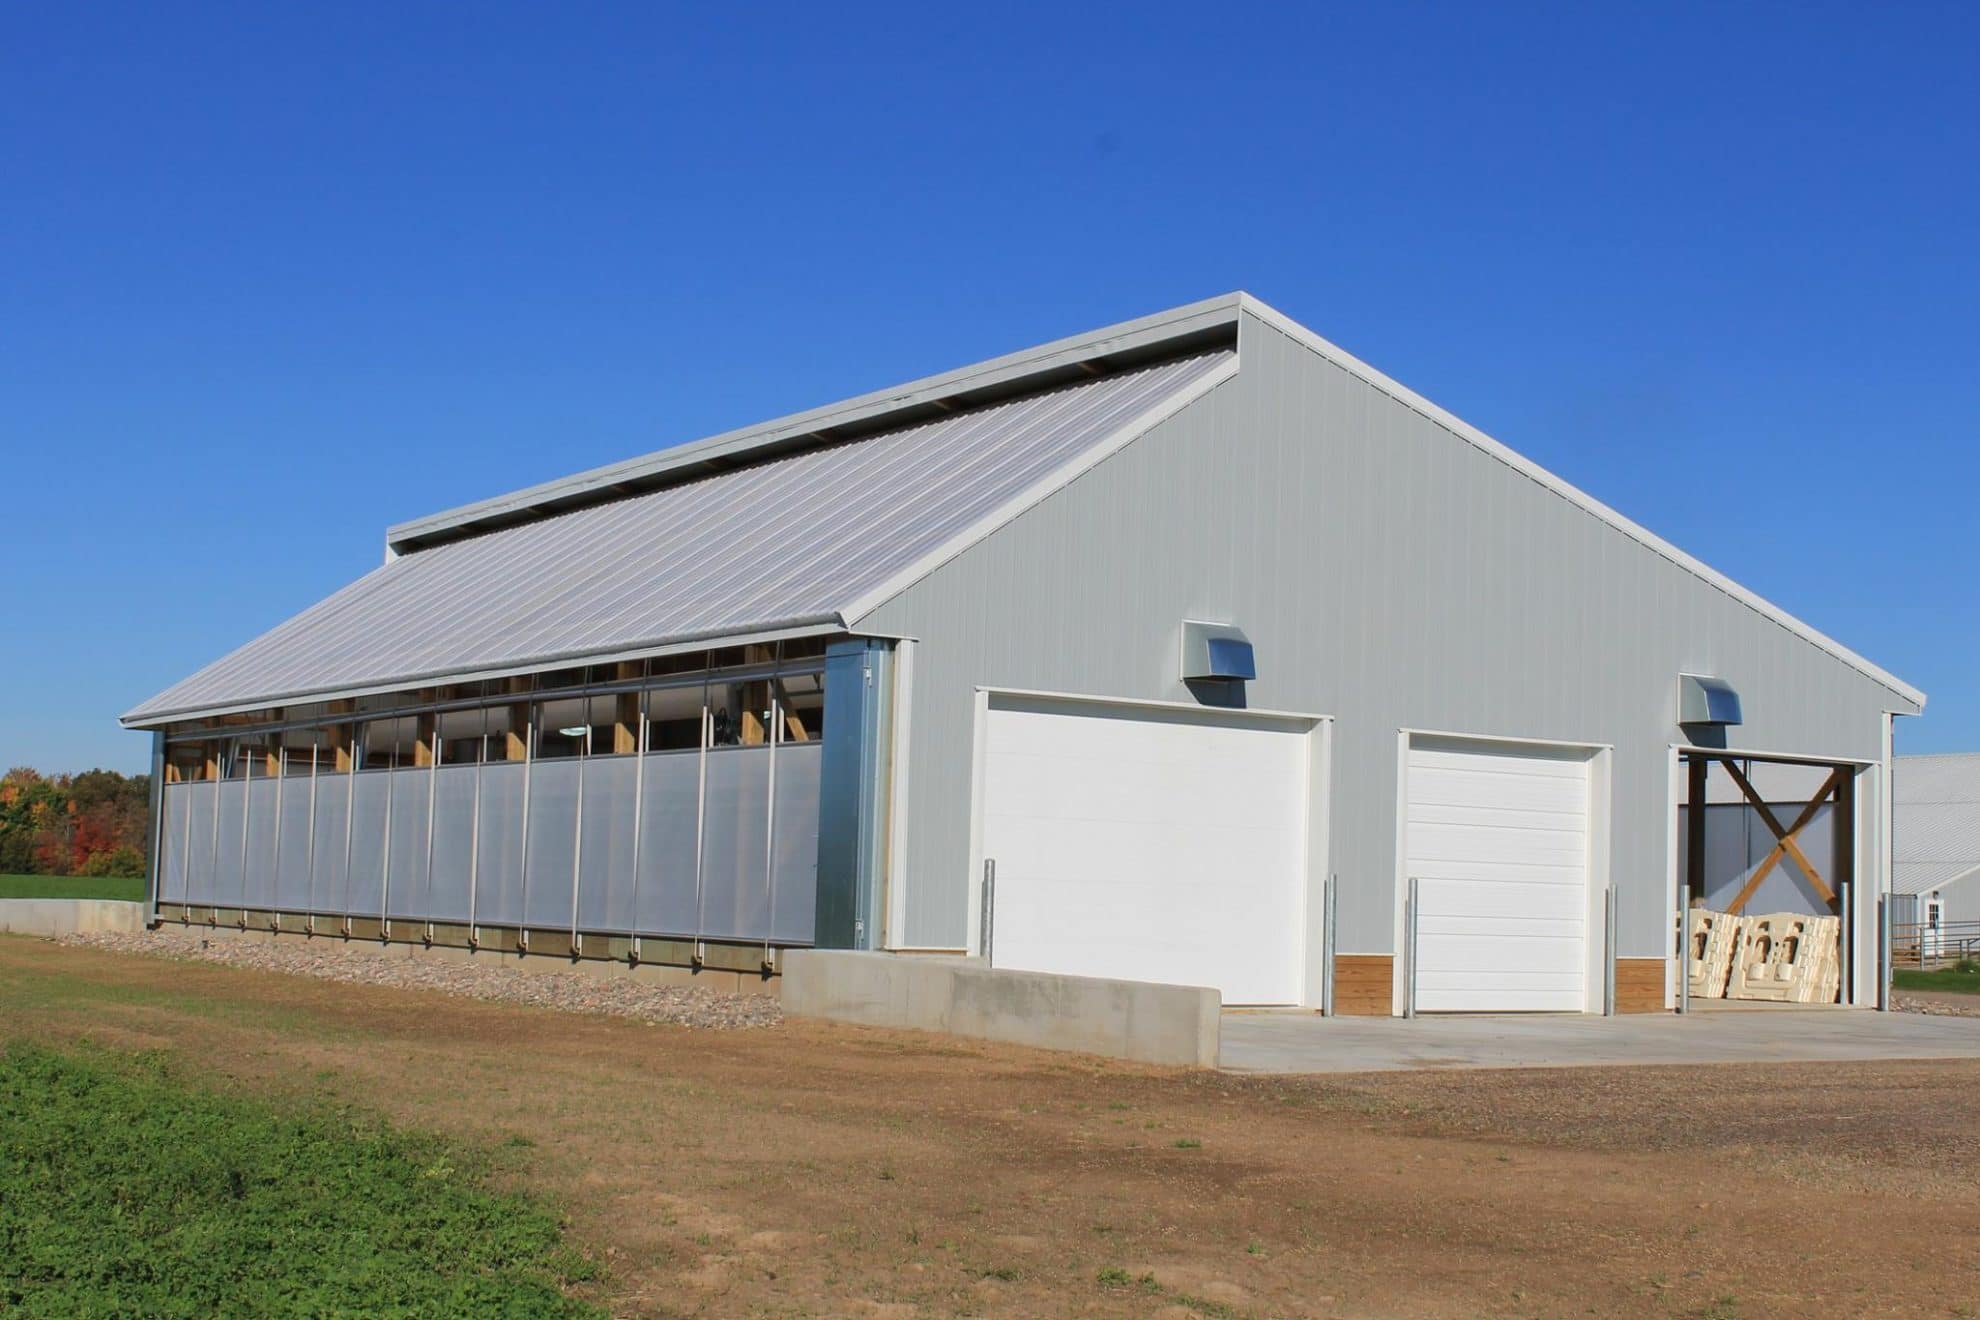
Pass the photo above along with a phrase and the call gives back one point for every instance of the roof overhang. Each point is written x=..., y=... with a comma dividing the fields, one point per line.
x=823, y=627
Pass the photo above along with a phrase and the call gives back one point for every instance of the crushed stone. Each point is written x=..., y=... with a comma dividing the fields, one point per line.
x=364, y=964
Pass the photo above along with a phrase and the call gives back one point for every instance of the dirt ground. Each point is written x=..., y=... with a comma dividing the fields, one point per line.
x=815, y=1170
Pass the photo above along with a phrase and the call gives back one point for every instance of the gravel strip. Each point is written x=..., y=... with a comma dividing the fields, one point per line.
x=359, y=964
x=1946, y=1005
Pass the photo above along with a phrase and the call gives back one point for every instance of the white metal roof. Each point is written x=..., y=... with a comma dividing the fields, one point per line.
x=1173, y=333
x=786, y=543
x=1935, y=808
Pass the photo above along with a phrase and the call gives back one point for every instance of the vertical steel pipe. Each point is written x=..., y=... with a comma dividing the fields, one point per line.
x=247, y=819
x=350, y=816
x=309, y=867
x=1885, y=952
x=1328, y=900
x=432, y=802
x=1609, y=951
x=474, y=838
x=577, y=828
x=1408, y=950
x=1684, y=959
x=987, y=919
x=529, y=759
x=638, y=824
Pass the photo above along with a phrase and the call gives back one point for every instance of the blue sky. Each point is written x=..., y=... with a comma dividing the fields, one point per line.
x=271, y=279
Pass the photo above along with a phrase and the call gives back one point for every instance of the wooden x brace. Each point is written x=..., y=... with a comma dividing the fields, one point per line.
x=1785, y=844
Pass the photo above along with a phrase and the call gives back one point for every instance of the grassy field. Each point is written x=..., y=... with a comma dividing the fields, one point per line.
x=72, y=886
x=126, y=1189
x=812, y=1169
x=1961, y=980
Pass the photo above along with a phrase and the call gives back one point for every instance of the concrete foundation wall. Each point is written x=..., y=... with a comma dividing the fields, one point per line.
x=67, y=916
x=1165, y=1024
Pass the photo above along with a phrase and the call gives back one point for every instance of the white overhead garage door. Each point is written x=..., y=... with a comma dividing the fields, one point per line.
x=1498, y=842
x=1149, y=845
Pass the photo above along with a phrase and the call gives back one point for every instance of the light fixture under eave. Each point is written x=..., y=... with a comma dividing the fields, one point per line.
x=1703, y=700
x=578, y=732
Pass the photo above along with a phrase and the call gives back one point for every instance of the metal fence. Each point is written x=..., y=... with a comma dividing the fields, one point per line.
x=1934, y=944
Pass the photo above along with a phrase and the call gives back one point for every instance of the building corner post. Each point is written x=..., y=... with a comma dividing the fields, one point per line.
x=852, y=806
x=155, y=855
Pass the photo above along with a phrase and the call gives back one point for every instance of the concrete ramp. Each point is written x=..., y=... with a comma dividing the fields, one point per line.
x=1136, y=1020
x=68, y=916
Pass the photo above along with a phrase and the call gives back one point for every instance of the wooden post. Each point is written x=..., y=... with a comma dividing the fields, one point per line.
x=339, y=734
x=1694, y=830
x=1845, y=839
x=515, y=746
x=427, y=728
x=625, y=710
x=756, y=700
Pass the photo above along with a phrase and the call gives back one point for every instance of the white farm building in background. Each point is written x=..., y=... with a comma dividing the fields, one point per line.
x=1188, y=650
x=1936, y=879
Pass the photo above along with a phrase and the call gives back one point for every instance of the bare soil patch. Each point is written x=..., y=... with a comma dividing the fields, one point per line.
x=802, y=1169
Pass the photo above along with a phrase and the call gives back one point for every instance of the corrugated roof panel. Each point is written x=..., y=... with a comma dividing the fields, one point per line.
x=1935, y=805
x=1919, y=877
x=788, y=542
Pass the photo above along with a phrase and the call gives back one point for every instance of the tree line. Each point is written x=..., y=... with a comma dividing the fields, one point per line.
x=95, y=823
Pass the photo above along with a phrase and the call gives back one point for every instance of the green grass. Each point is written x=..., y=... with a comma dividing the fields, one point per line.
x=126, y=1190
x=1961, y=979
x=72, y=886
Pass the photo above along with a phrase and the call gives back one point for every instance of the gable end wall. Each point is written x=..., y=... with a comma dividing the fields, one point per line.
x=1392, y=575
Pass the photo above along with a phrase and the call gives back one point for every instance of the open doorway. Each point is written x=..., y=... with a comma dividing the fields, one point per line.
x=1766, y=852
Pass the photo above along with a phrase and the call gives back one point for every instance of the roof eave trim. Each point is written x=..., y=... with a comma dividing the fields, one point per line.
x=1161, y=411
x=140, y=717
x=1354, y=366
x=1012, y=371
x=1950, y=880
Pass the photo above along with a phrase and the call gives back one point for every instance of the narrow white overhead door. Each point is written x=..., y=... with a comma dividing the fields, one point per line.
x=1497, y=840
x=1148, y=846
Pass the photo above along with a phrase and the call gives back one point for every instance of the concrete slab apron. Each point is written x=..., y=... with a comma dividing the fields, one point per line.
x=1306, y=1043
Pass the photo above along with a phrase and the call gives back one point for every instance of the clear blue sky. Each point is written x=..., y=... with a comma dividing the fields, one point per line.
x=272, y=279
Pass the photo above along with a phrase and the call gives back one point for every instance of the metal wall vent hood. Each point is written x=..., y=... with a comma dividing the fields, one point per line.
x=1706, y=701
x=1216, y=651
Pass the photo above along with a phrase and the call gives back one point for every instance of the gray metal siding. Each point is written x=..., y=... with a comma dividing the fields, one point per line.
x=1392, y=575
x=792, y=541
